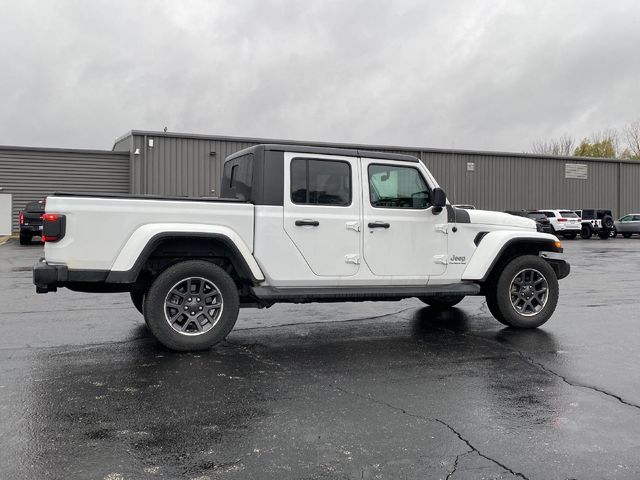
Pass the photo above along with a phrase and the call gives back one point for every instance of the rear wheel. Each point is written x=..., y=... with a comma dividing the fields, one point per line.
x=604, y=234
x=570, y=236
x=586, y=232
x=525, y=294
x=25, y=239
x=626, y=235
x=191, y=306
x=442, y=302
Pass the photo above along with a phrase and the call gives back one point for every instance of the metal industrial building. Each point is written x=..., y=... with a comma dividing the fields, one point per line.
x=165, y=163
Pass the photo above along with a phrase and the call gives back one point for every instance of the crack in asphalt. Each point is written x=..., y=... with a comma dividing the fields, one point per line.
x=433, y=419
x=455, y=463
x=508, y=346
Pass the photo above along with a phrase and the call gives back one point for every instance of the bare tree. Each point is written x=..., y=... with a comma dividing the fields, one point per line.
x=562, y=146
x=631, y=134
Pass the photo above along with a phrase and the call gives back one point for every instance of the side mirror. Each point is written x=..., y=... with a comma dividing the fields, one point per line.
x=439, y=200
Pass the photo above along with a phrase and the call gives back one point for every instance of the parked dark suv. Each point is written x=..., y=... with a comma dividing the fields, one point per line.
x=595, y=221
x=31, y=221
x=542, y=222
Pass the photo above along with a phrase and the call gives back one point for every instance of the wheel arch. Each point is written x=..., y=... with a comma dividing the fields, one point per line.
x=169, y=247
x=495, y=251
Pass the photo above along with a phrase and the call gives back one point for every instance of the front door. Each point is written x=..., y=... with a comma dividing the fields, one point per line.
x=402, y=236
x=322, y=211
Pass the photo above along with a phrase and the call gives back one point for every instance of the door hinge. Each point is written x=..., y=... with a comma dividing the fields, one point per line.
x=353, y=226
x=442, y=227
x=440, y=259
x=355, y=259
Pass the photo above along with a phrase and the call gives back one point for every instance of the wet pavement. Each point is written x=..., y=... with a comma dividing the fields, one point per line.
x=369, y=390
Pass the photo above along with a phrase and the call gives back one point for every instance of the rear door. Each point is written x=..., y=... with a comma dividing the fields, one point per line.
x=402, y=236
x=322, y=211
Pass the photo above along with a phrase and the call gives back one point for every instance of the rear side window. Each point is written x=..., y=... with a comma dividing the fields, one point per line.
x=567, y=214
x=237, y=178
x=588, y=215
x=320, y=182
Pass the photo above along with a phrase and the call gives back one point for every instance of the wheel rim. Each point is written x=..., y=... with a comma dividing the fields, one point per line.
x=193, y=306
x=529, y=292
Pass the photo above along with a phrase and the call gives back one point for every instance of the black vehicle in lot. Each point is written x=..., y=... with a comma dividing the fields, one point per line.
x=596, y=222
x=542, y=222
x=31, y=221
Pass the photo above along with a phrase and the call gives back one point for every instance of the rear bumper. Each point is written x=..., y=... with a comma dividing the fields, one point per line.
x=47, y=278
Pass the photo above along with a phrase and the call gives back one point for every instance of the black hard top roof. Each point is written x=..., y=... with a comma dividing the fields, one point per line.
x=345, y=152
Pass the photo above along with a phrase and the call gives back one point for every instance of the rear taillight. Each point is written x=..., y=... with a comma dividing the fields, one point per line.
x=562, y=219
x=21, y=218
x=53, y=226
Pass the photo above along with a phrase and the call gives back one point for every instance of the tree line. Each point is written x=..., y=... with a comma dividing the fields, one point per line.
x=609, y=143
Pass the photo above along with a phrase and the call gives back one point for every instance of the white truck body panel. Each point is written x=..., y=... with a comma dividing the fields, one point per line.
x=99, y=228
x=483, y=257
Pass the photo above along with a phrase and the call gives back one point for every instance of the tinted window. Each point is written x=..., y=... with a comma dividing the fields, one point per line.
x=392, y=186
x=626, y=218
x=588, y=215
x=549, y=214
x=320, y=182
x=636, y=218
x=567, y=214
x=537, y=216
x=237, y=178
x=35, y=207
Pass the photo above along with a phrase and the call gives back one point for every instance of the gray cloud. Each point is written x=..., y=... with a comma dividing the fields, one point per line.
x=486, y=75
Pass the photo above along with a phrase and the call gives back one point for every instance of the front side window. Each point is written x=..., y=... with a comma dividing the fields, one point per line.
x=626, y=218
x=320, y=182
x=393, y=186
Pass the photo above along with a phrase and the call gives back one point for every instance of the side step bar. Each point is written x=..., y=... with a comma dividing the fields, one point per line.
x=355, y=294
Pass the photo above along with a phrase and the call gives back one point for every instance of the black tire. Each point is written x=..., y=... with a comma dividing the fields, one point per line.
x=499, y=295
x=157, y=306
x=25, y=239
x=570, y=236
x=607, y=222
x=626, y=235
x=442, y=302
x=137, y=297
x=586, y=232
x=604, y=234
x=613, y=232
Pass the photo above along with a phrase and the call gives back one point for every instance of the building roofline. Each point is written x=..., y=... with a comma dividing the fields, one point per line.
x=19, y=149
x=360, y=146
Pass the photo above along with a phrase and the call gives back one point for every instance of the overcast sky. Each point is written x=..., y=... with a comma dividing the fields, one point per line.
x=490, y=75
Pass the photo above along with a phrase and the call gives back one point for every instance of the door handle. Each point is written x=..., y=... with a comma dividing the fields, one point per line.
x=379, y=225
x=307, y=223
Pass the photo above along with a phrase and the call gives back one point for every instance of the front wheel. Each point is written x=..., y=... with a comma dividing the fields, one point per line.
x=626, y=235
x=570, y=236
x=442, y=302
x=525, y=294
x=586, y=232
x=192, y=306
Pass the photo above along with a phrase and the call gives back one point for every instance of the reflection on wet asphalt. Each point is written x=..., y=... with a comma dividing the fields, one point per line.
x=373, y=390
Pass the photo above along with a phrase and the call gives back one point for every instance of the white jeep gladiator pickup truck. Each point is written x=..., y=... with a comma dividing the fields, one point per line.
x=297, y=224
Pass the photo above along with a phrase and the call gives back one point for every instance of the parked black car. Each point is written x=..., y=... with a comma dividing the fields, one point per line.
x=542, y=222
x=31, y=221
x=596, y=221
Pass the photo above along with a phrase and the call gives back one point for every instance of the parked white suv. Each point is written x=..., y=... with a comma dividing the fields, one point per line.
x=297, y=224
x=564, y=222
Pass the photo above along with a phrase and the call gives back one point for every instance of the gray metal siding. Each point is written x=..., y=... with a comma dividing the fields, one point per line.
x=32, y=174
x=183, y=165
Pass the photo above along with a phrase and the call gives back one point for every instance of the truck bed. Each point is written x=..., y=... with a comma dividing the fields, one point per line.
x=99, y=226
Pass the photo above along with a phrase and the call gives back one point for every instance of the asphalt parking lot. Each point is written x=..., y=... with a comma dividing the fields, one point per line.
x=372, y=390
